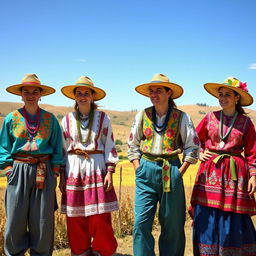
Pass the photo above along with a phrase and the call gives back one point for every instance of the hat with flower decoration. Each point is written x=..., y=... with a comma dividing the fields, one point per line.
x=86, y=82
x=233, y=84
x=30, y=80
x=162, y=80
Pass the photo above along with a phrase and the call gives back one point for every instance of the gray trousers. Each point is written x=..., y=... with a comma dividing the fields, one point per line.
x=29, y=212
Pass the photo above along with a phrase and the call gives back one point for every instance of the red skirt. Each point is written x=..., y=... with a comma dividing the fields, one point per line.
x=214, y=186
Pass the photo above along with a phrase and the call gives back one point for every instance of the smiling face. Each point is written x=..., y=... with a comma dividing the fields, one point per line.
x=228, y=98
x=83, y=97
x=30, y=95
x=158, y=95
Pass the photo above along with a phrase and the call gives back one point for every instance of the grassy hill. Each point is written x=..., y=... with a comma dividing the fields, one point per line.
x=121, y=120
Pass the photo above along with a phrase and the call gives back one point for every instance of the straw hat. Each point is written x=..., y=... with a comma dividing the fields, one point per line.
x=160, y=79
x=30, y=80
x=233, y=84
x=86, y=82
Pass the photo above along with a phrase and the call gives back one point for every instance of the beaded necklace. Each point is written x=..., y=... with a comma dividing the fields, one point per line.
x=160, y=128
x=32, y=130
x=80, y=126
x=223, y=137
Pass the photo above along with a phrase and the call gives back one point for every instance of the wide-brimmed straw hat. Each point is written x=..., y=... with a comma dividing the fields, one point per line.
x=162, y=80
x=234, y=84
x=83, y=81
x=30, y=80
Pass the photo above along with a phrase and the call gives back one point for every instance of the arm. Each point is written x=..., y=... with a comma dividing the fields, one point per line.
x=250, y=155
x=201, y=130
x=56, y=144
x=136, y=135
x=190, y=142
x=6, y=142
x=111, y=156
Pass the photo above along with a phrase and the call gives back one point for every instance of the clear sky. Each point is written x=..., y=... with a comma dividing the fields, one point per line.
x=121, y=43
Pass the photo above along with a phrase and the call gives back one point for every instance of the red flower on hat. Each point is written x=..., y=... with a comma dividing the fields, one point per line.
x=243, y=86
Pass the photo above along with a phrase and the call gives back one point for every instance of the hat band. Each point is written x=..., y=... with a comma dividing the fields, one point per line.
x=158, y=81
x=32, y=83
x=84, y=84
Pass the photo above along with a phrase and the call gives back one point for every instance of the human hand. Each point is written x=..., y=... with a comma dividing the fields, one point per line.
x=204, y=156
x=108, y=181
x=252, y=185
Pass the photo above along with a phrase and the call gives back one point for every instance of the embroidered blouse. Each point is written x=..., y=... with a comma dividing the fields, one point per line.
x=101, y=136
x=242, y=137
x=14, y=135
x=185, y=139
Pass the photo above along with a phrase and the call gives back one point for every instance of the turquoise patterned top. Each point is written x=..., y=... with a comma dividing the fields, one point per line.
x=14, y=136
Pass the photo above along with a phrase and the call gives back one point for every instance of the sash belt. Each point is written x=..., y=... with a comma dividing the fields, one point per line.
x=40, y=161
x=232, y=162
x=166, y=174
x=85, y=153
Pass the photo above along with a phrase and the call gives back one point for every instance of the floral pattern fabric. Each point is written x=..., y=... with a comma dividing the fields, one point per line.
x=85, y=193
x=214, y=186
x=14, y=136
x=179, y=136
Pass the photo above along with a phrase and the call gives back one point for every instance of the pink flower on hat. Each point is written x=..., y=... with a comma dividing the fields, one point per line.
x=243, y=86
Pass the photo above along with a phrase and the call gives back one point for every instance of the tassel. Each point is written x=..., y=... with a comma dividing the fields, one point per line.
x=26, y=147
x=34, y=145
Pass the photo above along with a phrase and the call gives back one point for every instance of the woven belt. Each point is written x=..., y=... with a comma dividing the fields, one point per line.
x=39, y=160
x=85, y=153
x=232, y=162
x=166, y=174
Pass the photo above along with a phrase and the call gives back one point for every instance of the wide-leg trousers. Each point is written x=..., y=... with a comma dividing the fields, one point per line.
x=91, y=233
x=148, y=192
x=29, y=212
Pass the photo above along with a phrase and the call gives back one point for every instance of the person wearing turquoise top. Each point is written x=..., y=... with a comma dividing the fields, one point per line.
x=158, y=134
x=30, y=154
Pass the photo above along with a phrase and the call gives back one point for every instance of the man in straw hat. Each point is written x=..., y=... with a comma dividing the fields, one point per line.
x=86, y=183
x=30, y=154
x=222, y=200
x=158, y=134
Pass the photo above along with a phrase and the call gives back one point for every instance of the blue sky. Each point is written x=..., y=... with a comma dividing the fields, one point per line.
x=121, y=44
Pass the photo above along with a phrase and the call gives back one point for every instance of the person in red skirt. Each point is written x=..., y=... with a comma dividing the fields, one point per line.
x=222, y=200
x=87, y=186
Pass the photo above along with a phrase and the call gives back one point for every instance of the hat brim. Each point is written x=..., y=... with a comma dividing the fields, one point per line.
x=68, y=91
x=16, y=89
x=213, y=88
x=177, y=90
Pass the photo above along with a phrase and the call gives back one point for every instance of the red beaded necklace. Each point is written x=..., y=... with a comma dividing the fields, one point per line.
x=32, y=129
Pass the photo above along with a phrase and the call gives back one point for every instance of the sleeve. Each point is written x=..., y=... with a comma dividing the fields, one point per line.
x=135, y=137
x=56, y=144
x=6, y=143
x=190, y=140
x=250, y=147
x=65, y=139
x=110, y=153
x=202, y=132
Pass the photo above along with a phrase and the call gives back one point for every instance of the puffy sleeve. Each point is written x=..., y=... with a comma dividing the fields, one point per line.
x=250, y=147
x=135, y=137
x=189, y=139
x=110, y=153
x=56, y=144
x=6, y=143
x=202, y=132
